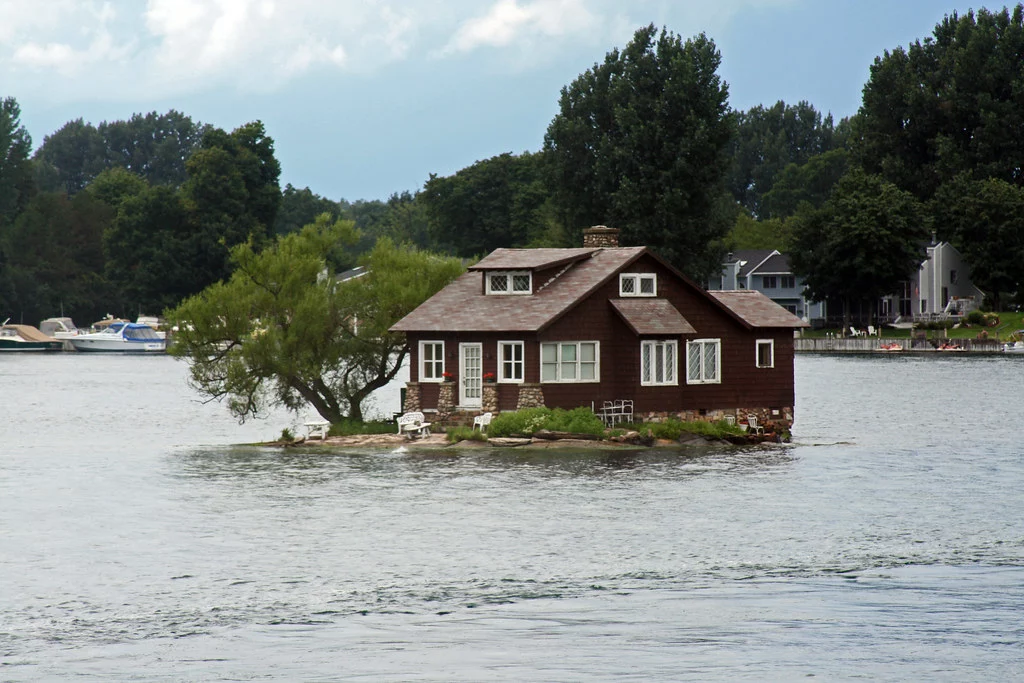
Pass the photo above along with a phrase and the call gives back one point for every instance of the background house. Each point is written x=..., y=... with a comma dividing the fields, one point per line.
x=768, y=271
x=941, y=288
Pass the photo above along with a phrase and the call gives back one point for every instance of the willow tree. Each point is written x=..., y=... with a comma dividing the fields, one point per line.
x=284, y=331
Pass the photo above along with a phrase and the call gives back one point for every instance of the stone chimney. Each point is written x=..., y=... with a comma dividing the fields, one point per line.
x=600, y=236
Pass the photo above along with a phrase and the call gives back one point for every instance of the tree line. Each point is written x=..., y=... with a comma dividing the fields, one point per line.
x=134, y=216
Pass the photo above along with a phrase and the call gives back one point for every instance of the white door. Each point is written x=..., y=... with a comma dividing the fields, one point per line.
x=470, y=375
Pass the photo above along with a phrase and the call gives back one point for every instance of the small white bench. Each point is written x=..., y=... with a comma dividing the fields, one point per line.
x=482, y=421
x=413, y=424
x=317, y=428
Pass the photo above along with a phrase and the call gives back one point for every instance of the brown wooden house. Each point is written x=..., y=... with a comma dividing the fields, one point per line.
x=578, y=327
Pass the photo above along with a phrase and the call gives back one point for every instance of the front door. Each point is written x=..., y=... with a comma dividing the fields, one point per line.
x=470, y=375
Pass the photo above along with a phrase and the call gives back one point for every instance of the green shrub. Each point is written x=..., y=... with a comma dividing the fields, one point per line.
x=351, y=427
x=528, y=421
x=286, y=435
x=975, y=317
x=457, y=434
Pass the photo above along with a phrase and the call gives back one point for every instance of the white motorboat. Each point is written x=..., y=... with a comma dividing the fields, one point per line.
x=59, y=328
x=1014, y=347
x=125, y=337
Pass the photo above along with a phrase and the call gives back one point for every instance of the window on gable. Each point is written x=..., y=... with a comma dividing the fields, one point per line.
x=510, y=361
x=703, y=361
x=509, y=282
x=953, y=277
x=788, y=282
x=638, y=284
x=658, y=362
x=431, y=361
x=769, y=282
x=570, y=362
x=765, y=353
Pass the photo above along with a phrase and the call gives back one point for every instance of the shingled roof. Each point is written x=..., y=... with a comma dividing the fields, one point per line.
x=530, y=259
x=755, y=309
x=652, y=316
x=463, y=307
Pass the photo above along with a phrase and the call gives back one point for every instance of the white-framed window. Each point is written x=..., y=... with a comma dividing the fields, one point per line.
x=769, y=282
x=765, y=356
x=509, y=282
x=638, y=284
x=510, y=361
x=658, y=362
x=788, y=282
x=570, y=362
x=431, y=361
x=704, y=361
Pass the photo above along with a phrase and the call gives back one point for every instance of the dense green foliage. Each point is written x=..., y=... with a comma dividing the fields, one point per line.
x=350, y=427
x=950, y=104
x=862, y=243
x=500, y=202
x=530, y=420
x=672, y=429
x=641, y=143
x=770, y=139
x=282, y=330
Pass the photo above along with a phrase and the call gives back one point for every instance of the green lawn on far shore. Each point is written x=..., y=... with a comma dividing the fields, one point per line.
x=1009, y=322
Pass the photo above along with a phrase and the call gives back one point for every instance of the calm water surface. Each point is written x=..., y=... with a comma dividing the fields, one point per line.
x=887, y=543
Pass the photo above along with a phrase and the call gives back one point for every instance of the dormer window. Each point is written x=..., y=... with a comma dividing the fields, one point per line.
x=509, y=282
x=638, y=284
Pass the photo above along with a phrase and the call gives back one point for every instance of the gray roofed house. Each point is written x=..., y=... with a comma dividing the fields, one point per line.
x=601, y=323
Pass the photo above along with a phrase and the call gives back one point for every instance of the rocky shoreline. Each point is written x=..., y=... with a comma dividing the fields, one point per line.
x=541, y=440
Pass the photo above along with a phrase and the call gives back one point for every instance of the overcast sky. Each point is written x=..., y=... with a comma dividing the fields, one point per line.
x=368, y=97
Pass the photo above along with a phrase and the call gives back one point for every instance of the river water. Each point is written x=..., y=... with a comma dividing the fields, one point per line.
x=885, y=544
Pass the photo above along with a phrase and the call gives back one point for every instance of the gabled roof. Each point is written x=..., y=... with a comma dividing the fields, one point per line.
x=776, y=264
x=755, y=309
x=463, y=306
x=751, y=258
x=652, y=316
x=530, y=259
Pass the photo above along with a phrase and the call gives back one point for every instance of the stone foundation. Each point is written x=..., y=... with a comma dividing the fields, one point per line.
x=530, y=396
x=779, y=418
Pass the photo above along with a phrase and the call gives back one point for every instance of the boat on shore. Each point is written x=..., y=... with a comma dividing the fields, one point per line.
x=21, y=338
x=59, y=328
x=123, y=337
x=1013, y=347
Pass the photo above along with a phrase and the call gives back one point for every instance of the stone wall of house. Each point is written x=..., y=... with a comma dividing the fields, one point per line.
x=445, y=400
x=530, y=396
x=489, y=400
x=412, y=398
x=601, y=236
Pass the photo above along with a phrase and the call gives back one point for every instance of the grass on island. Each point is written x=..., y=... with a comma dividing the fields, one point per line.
x=356, y=427
x=672, y=429
x=528, y=421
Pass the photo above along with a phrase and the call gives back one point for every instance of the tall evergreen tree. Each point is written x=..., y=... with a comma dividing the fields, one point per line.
x=641, y=143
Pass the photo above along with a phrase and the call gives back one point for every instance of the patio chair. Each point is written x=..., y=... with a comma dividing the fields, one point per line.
x=752, y=425
x=482, y=421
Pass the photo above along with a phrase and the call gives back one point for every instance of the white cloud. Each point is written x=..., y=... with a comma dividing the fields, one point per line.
x=509, y=21
x=128, y=49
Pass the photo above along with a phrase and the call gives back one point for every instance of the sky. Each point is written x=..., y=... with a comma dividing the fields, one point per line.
x=365, y=98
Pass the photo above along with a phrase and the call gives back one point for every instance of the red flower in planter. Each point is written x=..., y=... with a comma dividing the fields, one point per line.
x=488, y=376
x=448, y=377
